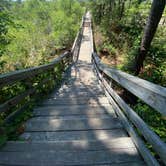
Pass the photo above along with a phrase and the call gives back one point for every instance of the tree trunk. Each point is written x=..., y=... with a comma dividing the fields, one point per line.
x=150, y=29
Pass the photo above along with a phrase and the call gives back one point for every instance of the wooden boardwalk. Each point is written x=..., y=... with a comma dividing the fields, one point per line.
x=76, y=125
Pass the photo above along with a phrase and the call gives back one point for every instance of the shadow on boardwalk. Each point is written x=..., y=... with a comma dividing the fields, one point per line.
x=76, y=125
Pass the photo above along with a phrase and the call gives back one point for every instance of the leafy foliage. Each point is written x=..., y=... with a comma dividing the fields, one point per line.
x=5, y=22
x=152, y=118
x=32, y=33
x=122, y=28
x=119, y=26
x=41, y=30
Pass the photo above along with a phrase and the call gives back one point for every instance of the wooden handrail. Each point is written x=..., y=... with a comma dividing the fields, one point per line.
x=134, y=85
x=76, y=45
x=78, y=34
x=152, y=94
x=150, y=160
x=26, y=74
x=10, y=78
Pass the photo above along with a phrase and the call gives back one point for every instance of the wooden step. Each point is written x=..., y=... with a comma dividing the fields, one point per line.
x=83, y=145
x=77, y=98
x=79, y=84
x=76, y=94
x=77, y=101
x=73, y=135
x=74, y=89
x=72, y=124
x=124, y=145
x=74, y=110
x=137, y=163
x=71, y=117
x=45, y=158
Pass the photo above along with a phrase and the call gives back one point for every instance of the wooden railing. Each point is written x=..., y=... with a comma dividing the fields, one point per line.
x=32, y=80
x=151, y=94
x=76, y=46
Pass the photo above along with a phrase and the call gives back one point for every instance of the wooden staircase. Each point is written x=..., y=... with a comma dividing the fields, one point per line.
x=77, y=125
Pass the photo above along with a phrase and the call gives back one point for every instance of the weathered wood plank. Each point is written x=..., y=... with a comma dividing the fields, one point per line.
x=77, y=101
x=71, y=117
x=10, y=78
x=15, y=100
x=146, y=154
x=90, y=89
x=74, y=135
x=72, y=124
x=152, y=94
x=78, y=36
x=158, y=145
x=150, y=136
x=138, y=163
x=73, y=95
x=83, y=145
x=74, y=110
x=14, y=114
x=70, y=157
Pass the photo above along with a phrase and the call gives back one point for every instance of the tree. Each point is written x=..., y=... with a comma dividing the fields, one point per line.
x=155, y=15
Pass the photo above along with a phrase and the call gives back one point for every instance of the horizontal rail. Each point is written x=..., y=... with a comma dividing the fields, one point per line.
x=158, y=145
x=13, y=115
x=27, y=78
x=78, y=35
x=150, y=160
x=10, y=78
x=76, y=45
x=151, y=94
x=15, y=100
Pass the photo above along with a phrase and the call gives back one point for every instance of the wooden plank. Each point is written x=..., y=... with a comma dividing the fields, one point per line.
x=83, y=145
x=74, y=110
x=74, y=95
x=89, y=89
x=79, y=85
x=89, y=85
x=15, y=100
x=70, y=157
x=72, y=124
x=73, y=135
x=150, y=136
x=152, y=94
x=77, y=101
x=12, y=77
x=146, y=154
x=84, y=116
x=77, y=92
x=14, y=114
x=158, y=145
x=138, y=163
x=79, y=34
